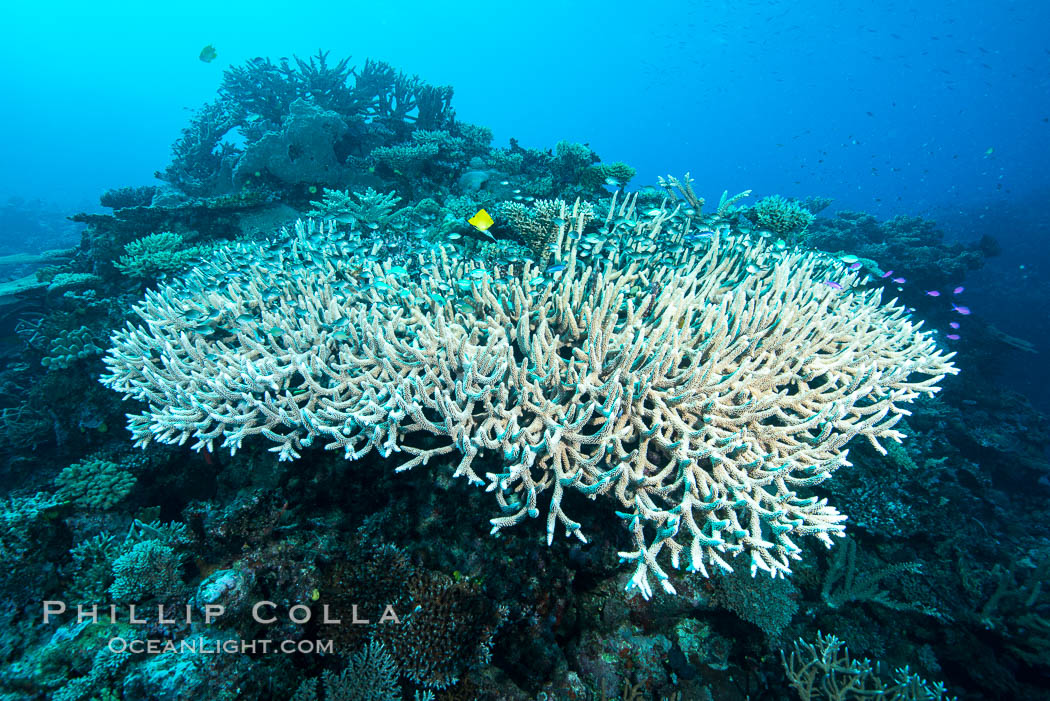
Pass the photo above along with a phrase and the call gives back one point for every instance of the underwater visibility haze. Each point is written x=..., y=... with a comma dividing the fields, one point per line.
x=561, y=351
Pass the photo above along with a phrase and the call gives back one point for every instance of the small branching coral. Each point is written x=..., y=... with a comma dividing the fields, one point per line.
x=366, y=208
x=824, y=671
x=150, y=563
x=845, y=582
x=155, y=254
x=542, y=223
x=371, y=675
x=782, y=216
x=699, y=379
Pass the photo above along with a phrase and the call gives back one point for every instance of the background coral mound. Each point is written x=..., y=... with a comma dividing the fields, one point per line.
x=697, y=377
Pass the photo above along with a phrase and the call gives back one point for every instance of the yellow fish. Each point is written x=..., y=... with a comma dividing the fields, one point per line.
x=208, y=54
x=481, y=221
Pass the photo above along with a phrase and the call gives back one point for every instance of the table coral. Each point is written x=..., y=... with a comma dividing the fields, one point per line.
x=698, y=379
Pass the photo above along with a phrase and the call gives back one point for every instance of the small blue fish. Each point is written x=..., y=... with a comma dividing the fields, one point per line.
x=833, y=285
x=556, y=268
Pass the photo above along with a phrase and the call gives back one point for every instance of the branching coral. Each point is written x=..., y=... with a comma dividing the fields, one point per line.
x=451, y=630
x=844, y=582
x=405, y=159
x=682, y=187
x=368, y=208
x=298, y=121
x=782, y=216
x=571, y=161
x=823, y=670
x=201, y=160
x=370, y=675
x=540, y=225
x=394, y=97
x=149, y=568
x=154, y=254
x=265, y=89
x=699, y=379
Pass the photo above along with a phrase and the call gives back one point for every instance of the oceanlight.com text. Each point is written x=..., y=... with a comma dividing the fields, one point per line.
x=203, y=646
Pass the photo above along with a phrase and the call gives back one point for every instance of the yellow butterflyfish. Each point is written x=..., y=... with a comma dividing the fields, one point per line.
x=208, y=54
x=481, y=221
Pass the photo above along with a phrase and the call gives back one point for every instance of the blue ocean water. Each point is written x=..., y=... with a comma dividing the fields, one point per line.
x=936, y=110
x=932, y=109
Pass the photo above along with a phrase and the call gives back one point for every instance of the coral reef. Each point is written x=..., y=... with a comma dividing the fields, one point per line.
x=910, y=245
x=302, y=122
x=675, y=383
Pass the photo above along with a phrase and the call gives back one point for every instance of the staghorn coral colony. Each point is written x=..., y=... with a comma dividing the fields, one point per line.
x=312, y=334
x=702, y=385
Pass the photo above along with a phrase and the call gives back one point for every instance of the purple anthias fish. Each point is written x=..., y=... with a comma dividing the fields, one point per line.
x=954, y=324
x=855, y=266
x=958, y=289
x=887, y=273
x=833, y=285
x=899, y=280
x=933, y=293
x=962, y=310
x=952, y=337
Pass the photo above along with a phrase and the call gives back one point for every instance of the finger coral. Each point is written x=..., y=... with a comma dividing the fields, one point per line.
x=698, y=379
x=94, y=484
